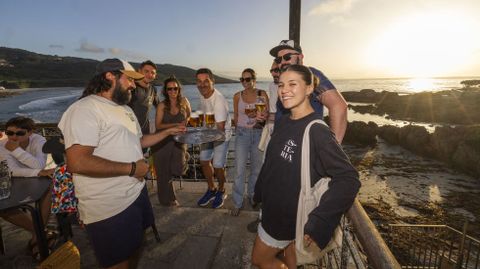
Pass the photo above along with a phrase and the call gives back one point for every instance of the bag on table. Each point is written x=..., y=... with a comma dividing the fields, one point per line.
x=308, y=200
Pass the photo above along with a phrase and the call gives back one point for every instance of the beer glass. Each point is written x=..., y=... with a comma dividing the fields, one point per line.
x=5, y=180
x=250, y=111
x=260, y=104
x=261, y=107
x=194, y=120
x=210, y=119
x=201, y=118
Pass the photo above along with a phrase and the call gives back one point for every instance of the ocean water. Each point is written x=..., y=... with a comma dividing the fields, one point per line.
x=48, y=104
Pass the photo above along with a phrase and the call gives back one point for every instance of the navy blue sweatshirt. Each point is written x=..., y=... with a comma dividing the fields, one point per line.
x=278, y=184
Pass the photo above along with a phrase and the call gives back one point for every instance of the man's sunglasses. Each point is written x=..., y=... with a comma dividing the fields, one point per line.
x=285, y=57
x=246, y=79
x=17, y=133
x=275, y=70
x=173, y=89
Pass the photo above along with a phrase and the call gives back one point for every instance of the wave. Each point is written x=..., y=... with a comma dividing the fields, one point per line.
x=48, y=102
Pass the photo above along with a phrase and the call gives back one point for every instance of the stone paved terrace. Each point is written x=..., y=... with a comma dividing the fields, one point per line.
x=191, y=237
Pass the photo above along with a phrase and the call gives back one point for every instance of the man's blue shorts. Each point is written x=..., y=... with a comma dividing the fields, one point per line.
x=117, y=238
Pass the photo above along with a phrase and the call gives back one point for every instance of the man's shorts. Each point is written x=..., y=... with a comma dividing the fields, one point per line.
x=215, y=150
x=117, y=238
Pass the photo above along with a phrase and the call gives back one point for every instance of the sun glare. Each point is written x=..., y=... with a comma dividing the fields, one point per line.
x=421, y=84
x=424, y=45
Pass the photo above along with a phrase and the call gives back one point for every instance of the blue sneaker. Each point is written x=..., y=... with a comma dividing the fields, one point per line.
x=219, y=197
x=207, y=197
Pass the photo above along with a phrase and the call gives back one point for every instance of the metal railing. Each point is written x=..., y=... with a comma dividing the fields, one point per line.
x=433, y=246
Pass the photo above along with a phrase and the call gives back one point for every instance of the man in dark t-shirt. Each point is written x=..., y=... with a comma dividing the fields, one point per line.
x=325, y=94
x=144, y=95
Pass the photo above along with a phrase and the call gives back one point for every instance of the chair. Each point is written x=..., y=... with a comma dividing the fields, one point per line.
x=66, y=256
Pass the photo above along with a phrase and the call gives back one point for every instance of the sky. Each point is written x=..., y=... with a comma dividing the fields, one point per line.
x=343, y=38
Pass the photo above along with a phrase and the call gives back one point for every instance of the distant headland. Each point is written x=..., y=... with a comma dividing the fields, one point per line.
x=24, y=69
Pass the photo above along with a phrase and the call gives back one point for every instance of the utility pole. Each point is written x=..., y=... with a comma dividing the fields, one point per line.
x=294, y=30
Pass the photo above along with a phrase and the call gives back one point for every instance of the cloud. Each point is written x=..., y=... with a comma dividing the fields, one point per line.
x=91, y=48
x=56, y=46
x=333, y=7
x=127, y=54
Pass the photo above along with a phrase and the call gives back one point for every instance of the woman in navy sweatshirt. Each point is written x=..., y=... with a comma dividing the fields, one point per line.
x=278, y=184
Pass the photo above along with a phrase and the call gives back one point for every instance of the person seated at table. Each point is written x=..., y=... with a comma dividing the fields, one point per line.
x=23, y=151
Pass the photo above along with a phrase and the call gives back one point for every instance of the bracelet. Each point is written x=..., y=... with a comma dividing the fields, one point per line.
x=134, y=168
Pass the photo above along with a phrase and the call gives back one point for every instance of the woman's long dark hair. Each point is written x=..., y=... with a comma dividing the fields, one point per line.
x=180, y=103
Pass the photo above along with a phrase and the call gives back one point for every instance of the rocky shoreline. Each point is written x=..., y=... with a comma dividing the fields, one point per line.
x=456, y=106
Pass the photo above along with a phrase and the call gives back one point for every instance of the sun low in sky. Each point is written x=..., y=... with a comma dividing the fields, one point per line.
x=431, y=43
x=343, y=38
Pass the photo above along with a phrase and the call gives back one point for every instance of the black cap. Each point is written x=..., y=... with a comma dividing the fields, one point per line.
x=114, y=64
x=285, y=44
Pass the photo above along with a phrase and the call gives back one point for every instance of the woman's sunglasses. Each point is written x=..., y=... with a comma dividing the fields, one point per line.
x=173, y=89
x=17, y=133
x=285, y=57
x=246, y=79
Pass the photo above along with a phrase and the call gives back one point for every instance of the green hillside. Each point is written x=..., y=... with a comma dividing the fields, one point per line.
x=25, y=69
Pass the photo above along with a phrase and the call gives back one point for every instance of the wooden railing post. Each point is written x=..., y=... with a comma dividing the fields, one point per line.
x=378, y=253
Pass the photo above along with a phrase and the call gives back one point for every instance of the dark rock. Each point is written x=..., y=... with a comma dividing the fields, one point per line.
x=459, y=147
x=361, y=133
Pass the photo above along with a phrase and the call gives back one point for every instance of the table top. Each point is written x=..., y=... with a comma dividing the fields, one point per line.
x=25, y=190
x=199, y=136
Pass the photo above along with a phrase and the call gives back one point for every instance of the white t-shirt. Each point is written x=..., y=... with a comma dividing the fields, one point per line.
x=115, y=133
x=219, y=105
x=272, y=97
x=28, y=162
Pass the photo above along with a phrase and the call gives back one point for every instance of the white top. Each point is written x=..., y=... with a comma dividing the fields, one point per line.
x=115, y=133
x=28, y=162
x=272, y=97
x=219, y=105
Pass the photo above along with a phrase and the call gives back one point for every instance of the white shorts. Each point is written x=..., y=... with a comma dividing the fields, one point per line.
x=270, y=241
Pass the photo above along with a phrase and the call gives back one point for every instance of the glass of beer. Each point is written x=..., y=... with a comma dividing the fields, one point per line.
x=194, y=120
x=260, y=104
x=210, y=119
x=261, y=107
x=250, y=111
x=201, y=118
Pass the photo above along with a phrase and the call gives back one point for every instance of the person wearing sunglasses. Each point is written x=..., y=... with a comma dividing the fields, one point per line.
x=23, y=151
x=144, y=96
x=169, y=157
x=213, y=155
x=103, y=142
x=288, y=53
x=247, y=137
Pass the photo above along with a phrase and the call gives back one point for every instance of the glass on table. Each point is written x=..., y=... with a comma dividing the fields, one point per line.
x=209, y=119
x=5, y=180
x=194, y=120
x=201, y=118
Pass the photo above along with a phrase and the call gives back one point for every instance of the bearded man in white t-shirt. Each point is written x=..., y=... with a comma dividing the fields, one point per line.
x=103, y=142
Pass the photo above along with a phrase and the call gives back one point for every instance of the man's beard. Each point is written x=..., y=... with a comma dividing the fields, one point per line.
x=120, y=96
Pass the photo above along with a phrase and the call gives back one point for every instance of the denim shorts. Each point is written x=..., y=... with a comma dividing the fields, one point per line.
x=215, y=150
x=117, y=238
x=270, y=241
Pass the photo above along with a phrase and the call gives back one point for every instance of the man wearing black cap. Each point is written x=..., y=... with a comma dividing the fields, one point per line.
x=103, y=142
x=288, y=53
